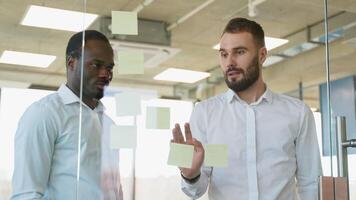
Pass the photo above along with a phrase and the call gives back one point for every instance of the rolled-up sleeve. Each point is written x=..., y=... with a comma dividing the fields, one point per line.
x=34, y=146
x=308, y=157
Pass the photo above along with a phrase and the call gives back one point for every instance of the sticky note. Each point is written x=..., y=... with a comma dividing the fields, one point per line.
x=128, y=104
x=124, y=23
x=123, y=137
x=215, y=155
x=158, y=118
x=130, y=62
x=181, y=155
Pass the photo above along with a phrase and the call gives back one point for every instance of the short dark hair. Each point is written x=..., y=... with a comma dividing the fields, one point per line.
x=238, y=24
x=74, y=45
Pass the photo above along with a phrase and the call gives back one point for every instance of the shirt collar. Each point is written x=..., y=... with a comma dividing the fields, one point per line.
x=68, y=97
x=266, y=96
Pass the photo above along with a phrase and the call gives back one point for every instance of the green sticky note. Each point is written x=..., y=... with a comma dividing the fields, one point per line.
x=123, y=137
x=215, y=155
x=128, y=104
x=158, y=118
x=124, y=23
x=130, y=62
x=181, y=155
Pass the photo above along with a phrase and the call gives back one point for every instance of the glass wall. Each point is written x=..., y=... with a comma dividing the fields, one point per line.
x=118, y=147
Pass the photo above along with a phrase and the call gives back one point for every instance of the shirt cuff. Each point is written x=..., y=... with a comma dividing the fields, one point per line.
x=190, y=181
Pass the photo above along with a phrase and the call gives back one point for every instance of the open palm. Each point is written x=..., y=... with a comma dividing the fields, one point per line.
x=198, y=155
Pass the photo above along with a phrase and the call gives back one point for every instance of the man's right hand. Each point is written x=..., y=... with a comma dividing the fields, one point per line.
x=198, y=156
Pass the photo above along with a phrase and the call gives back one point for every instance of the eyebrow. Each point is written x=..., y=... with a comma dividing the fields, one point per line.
x=102, y=62
x=234, y=49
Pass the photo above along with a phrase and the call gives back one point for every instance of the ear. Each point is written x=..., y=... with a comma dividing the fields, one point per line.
x=71, y=63
x=262, y=55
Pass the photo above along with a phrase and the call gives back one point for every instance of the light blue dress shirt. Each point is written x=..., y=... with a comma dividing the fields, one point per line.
x=273, y=151
x=46, y=145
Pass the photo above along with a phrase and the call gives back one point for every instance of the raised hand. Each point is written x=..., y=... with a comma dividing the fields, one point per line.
x=198, y=156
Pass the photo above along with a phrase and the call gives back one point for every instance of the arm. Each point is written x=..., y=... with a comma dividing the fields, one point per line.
x=308, y=157
x=198, y=188
x=198, y=127
x=34, y=145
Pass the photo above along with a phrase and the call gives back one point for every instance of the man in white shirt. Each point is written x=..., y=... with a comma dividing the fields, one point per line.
x=272, y=144
x=46, y=141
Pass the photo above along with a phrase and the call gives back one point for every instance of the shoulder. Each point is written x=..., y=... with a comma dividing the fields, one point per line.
x=291, y=106
x=213, y=102
x=44, y=109
x=288, y=101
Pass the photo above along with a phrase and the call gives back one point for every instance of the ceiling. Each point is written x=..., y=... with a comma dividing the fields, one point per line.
x=195, y=37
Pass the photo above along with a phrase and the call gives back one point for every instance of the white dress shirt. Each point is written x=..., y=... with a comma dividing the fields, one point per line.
x=273, y=151
x=46, y=148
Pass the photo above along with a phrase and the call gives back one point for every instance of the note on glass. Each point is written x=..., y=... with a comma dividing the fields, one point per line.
x=128, y=104
x=124, y=23
x=181, y=155
x=130, y=62
x=158, y=118
x=215, y=155
x=123, y=137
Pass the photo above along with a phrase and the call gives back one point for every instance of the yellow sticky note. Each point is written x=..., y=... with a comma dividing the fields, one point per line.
x=124, y=23
x=128, y=104
x=181, y=155
x=123, y=137
x=158, y=118
x=215, y=155
x=130, y=62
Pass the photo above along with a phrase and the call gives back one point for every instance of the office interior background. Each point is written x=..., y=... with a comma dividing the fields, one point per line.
x=180, y=35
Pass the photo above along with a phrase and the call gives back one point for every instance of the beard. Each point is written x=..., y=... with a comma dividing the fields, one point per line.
x=249, y=77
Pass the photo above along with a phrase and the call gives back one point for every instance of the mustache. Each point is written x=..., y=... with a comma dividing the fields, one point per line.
x=233, y=69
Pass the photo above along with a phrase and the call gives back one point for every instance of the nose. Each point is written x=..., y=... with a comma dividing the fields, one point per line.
x=230, y=61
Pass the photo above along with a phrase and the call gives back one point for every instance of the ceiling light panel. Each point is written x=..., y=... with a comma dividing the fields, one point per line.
x=271, y=60
x=181, y=75
x=59, y=19
x=26, y=59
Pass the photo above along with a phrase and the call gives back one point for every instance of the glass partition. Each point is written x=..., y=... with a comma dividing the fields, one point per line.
x=113, y=95
x=342, y=91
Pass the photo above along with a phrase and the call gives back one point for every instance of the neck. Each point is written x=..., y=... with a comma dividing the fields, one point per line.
x=92, y=103
x=254, y=92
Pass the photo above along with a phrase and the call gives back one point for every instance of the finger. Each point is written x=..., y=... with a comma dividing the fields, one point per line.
x=188, y=133
x=177, y=134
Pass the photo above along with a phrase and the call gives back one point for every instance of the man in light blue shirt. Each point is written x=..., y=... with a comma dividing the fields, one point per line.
x=273, y=151
x=46, y=141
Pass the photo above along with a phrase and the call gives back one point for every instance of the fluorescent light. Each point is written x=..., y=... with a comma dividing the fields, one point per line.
x=27, y=59
x=270, y=60
x=271, y=43
x=181, y=75
x=60, y=19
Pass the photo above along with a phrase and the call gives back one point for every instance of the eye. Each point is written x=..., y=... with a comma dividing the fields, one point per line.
x=223, y=54
x=95, y=65
x=110, y=68
x=240, y=51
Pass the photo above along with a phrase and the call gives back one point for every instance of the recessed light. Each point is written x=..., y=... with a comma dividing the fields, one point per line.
x=181, y=75
x=53, y=18
x=26, y=59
